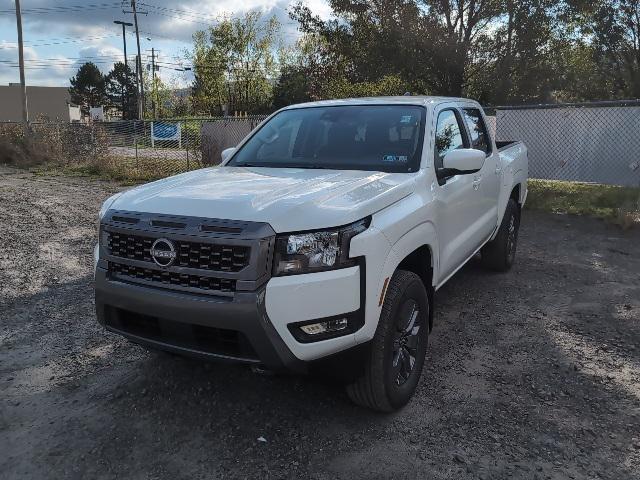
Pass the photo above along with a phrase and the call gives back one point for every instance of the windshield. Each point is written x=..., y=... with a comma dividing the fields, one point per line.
x=386, y=138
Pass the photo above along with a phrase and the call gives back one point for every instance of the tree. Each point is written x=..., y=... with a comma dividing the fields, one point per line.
x=615, y=27
x=121, y=90
x=518, y=62
x=367, y=41
x=306, y=70
x=459, y=31
x=429, y=43
x=88, y=87
x=292, y=87
x=234, y=63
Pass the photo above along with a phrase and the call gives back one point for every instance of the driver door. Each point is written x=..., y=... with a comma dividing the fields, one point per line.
x=458, y=204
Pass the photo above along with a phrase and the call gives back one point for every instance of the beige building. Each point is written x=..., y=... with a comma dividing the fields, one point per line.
x=51, y=103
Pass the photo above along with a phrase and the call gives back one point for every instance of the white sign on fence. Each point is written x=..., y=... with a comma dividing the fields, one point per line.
x=166, y=131
x=97, y=114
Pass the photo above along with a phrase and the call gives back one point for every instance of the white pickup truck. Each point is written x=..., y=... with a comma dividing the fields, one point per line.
x=318, y=243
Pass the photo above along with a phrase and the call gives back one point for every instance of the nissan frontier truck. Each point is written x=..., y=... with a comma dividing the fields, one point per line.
x=319, y=241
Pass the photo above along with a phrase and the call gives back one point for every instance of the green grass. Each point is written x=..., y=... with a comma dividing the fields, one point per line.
x=618, y=204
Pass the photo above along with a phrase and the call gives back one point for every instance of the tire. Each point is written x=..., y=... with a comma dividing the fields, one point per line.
x=500, y=253
x=398, y=349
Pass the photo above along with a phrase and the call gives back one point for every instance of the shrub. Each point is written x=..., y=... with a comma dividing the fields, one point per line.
x=54, y=143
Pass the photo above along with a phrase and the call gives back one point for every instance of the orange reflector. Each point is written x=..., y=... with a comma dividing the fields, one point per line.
x=384, y=291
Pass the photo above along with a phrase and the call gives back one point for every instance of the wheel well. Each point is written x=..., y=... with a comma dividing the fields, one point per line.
x=420, y=262
x=515, y=194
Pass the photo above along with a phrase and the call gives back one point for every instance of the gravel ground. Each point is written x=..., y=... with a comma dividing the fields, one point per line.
x=532, y=374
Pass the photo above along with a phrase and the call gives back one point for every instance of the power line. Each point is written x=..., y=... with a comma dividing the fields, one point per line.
x=186, y=13
x=190, y=16
x=151, y=34
x=56, y=39
x=66, y=8
x=47, y=44
x=56, y=62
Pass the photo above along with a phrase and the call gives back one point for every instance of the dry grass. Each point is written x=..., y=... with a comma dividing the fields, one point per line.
x=52, y=143
x=126, y=170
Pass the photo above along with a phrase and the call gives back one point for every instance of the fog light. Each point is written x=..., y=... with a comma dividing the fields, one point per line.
x=325, y=327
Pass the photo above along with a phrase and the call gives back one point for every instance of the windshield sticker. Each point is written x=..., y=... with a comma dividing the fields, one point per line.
x=395, y=158
x=406, y=118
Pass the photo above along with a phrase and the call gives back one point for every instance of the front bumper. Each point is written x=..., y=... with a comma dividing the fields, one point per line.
x=173, y=318
x=183, y=322
x=218, y=300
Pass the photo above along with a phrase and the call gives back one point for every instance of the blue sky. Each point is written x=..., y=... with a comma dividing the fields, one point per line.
x=60, y=35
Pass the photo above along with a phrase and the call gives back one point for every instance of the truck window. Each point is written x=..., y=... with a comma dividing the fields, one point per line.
x=449, y=135
x=477, y=130
x=385, y=138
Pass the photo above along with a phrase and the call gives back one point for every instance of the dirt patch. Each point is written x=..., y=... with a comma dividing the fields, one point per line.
x=532, y=374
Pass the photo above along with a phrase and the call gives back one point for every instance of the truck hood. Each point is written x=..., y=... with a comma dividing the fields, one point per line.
x=288, y=199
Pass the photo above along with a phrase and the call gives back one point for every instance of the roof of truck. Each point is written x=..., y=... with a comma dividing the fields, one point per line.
x=400, y=100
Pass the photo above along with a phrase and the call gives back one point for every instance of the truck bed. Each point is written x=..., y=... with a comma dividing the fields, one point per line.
x=502, y=145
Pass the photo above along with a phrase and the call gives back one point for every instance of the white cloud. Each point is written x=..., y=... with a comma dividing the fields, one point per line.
x=9, y=72
x=169, y=24
x=53, y=69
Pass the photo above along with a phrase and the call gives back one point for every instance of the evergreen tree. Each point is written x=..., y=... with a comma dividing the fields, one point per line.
x=121, y=90
x=88, y=87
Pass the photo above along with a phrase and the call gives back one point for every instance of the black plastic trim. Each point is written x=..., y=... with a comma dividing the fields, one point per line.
x=245, y=312
x=180, y=350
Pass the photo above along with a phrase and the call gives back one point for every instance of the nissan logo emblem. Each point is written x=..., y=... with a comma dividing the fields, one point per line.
x=163, y=252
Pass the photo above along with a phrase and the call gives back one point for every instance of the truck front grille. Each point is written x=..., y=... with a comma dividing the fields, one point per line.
x=169, y=278
x=209, y=256
x=205, y=256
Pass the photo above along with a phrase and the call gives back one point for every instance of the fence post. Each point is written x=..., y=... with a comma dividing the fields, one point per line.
x=135, y=140
x=186, y=145
x=93, y=142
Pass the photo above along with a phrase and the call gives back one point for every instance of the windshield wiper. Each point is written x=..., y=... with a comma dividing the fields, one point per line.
x=315, y=166
x=249, y=165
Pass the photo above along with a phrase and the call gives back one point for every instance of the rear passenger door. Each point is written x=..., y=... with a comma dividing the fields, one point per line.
x=458, y=209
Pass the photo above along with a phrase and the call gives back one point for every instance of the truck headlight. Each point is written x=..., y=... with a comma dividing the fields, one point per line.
x=308, y=252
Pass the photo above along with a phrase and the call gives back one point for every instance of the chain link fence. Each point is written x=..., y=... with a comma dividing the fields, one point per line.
x=589, y=142
x=594, y=142
x=184, y=142
x=135, y=149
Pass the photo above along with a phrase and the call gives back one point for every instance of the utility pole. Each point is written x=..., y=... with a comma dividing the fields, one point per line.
x=126, y=69
x=23, y=84
x=138, y=62
x=153, y=77
x=124, y=37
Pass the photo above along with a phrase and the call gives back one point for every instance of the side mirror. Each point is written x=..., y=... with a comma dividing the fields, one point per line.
x=227, y=152
x=464, y=160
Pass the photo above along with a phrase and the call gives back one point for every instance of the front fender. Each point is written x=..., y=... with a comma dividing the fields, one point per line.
x=421, y=235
